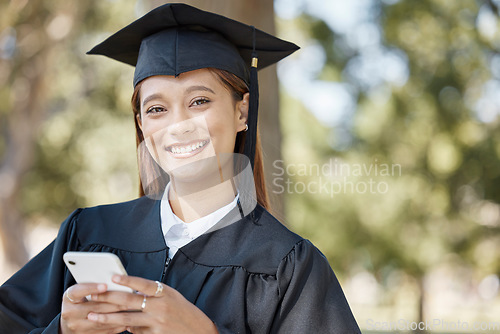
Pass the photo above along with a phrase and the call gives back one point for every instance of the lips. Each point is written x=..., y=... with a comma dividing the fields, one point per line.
x=187, y=149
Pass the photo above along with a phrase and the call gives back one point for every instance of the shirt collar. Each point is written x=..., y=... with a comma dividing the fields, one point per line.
x=173, y=227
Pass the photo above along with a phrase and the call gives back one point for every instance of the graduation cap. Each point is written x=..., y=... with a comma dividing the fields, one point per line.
x=177, y=38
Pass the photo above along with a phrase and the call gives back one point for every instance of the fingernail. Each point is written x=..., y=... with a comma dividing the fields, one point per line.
x=101, y=287
x=117, y=278
x=93, y=316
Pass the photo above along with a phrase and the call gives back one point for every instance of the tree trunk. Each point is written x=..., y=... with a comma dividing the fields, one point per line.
x=28, y=77
x=259, y=13
x=19, y=135
x=25, y=118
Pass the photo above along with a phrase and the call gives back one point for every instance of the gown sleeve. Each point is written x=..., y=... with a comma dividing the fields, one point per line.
x=30, y=301
x=312, y=300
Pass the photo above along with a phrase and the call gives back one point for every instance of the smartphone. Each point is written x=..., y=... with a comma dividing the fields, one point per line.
x=95, y=267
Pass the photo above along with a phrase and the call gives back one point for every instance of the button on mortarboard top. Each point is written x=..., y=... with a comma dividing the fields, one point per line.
x=177, y=38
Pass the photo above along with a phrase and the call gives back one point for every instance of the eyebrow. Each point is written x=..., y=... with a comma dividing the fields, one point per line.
x=151, y=97
x=197, y=88
x=188, y=90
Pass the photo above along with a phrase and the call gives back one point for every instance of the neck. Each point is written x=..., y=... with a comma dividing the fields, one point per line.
x=192, y=205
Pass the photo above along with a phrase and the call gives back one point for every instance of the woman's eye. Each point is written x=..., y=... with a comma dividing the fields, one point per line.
x=199, y=102
x=155, y=110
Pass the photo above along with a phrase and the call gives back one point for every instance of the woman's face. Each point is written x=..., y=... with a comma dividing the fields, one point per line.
x=188, y=121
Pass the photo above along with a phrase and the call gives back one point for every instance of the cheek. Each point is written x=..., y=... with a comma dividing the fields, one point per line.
x=222, y=132
x=150, y=127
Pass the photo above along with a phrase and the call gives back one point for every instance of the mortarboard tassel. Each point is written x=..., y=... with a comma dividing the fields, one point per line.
x=253, y=108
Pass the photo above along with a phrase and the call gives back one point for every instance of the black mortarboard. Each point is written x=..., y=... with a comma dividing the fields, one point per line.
x=177, y=38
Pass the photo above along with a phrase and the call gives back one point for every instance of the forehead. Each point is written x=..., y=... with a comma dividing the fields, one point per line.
x=201, y=77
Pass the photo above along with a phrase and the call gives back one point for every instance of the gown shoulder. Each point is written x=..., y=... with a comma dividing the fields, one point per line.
x=256, y=243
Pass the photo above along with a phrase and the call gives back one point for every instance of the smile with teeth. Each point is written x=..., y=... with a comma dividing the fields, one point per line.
x=186, y=149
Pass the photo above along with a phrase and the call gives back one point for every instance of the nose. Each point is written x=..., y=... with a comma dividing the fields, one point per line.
x=181, y=123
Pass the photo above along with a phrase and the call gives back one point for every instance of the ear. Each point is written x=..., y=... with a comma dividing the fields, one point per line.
x=139, y=121
x=241, y=114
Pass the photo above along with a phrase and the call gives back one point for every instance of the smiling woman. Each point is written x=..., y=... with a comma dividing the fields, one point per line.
x=237, y=89
x=200, y=247
x=187, y=121
x=181, y=112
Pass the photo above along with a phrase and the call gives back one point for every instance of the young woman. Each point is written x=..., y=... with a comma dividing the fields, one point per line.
x=200, y=247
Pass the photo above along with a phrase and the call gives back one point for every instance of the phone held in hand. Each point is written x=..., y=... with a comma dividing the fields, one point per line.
x=95, y=267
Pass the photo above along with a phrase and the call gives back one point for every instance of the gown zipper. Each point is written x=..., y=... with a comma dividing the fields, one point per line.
x=167, y=262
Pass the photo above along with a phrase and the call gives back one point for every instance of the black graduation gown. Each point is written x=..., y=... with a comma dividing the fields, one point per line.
x=253, y=275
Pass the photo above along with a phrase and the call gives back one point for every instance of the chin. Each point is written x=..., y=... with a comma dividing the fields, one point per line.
x=197, y=171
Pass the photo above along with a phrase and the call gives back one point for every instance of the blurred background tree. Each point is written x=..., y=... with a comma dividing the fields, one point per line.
x=413, y=86
x=416, y=88
x=67, y=138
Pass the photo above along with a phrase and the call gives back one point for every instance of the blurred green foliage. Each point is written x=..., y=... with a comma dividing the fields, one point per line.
x=441, y=126
x=85, y=145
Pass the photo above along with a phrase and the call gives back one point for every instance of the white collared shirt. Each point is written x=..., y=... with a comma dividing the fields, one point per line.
x=178, y=233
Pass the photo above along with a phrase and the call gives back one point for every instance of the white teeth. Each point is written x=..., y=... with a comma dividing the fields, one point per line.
x=187, y=149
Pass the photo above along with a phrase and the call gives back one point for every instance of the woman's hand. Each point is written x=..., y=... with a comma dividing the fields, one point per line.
x=164, y=310
x=75, y=309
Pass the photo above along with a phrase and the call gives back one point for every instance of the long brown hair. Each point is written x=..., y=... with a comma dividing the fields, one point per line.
x=237, y=88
